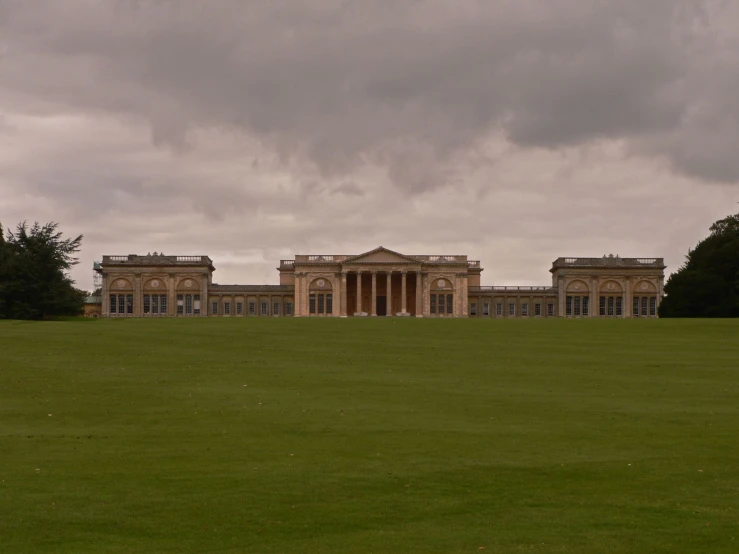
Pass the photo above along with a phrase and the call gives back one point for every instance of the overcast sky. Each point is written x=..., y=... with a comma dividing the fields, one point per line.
x=512, y=131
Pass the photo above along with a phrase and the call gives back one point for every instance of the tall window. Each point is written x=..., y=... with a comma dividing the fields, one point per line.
x=121, y=303
x=610, y=305
x=188, y=304
x=180, y=304
x=312, y=303
x=288, y=308
x=163, y=304
x=329, y=304
x=239, y=308
x=129, y=304
x=619, y=306
x=450, y=304
x=252, y=308
x=511, y=309
x=603, y=305
x=653, y=306
x=197, y=304
x=227, y=308
x=154, y=304
x=433, y=303
x=265, y=308
x=320, y=304
x=276, y=308
x=499, y=308
x=586, y=306
x=537, y=309
x=525, y=309
x=113, y=304
x=550, y=309
x=147, y=304
x=577, y=306
x=214, y=307
x=568, y=306
x=473, y=308
x=644, y=302
x=635, y=307
x=486, y=308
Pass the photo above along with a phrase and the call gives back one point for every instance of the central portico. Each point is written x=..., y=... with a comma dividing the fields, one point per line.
x=380, y=282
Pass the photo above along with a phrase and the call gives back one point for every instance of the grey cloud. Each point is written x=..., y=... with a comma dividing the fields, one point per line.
x=408, y=85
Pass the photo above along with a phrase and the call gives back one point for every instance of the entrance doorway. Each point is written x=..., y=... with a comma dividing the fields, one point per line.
x=382, y=305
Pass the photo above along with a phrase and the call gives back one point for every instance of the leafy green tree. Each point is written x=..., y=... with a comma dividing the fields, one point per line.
x=707, y=285
x=33, y=279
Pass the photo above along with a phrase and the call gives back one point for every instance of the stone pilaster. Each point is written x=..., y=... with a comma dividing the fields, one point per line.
x=419, y=294
x=389, y=294
x=373, y=300
x=342, y=284
x=172, y=300
x=359, y=293
x=403, y=291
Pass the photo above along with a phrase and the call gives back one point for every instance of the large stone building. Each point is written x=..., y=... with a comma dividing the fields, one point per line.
x=379, y=283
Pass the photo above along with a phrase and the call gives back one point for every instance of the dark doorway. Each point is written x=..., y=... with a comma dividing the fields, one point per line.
x=382, y=305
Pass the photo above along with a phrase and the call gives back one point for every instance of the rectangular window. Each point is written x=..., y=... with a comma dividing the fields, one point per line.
x=188, y=304
x=265, y=308
x=276, y=308
x=644, y=302
x=163, y=304
x=525, y=309
x=121, y=304
x=113, y=304
x=619, y=306
x=537, y=309
x=610, y=305
x=312, y=304
x=239, y=308
x=473, y=308
x=653, y=306
x=197, y=303
x=499, y=308
x=155, y=304
x=180, y=304
x=635, y=307
x=568, y=304
x=511, y=309
x=486, y=308
x=227, y=308
x=288, y=308
x=214, y=307
x=586, y=306
x=329, y=304
x=321, y=304
x=449, y=303
x=577, y=306
x=603, y=305
x=433, y=303
x=252, y=308
x=129, y=303
x=147, y=303
x=442, y=298
x=550, y=309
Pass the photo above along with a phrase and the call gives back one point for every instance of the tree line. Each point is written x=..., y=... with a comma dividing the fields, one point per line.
x=34, y=283
x=707, y=284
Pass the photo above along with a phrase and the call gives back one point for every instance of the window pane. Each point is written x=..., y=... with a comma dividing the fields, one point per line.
x=473, y=308
x=433, y=303
x=155, y=304
x=653, y=306
x=214, y=308
x=550, y=309
x=227, y=308
x=610, y=305
x=499, y=309
x=163, y=304
x=113, y=304
x=635, y=307
x=568, y=306
x=585, y=306
x=441, y=299
x=329, y=303
x=619, y=304
x=288, y=308
x=129, y=303
x=320, y=304
x=486, y=308
x=603, y=305
x=239, y=308
x=265, y=308
x=537, y=309
x=180, y=304
x=196, y=298
x=276, y=308
x=644, y=301
x=147, y=304
x=511, y=309
x=525, y=308
x=450, y=303
x=121, y=304
x=577, y=305
x=252, y=308
x=188, y=304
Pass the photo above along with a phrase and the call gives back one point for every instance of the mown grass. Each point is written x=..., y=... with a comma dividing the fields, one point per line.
x=382, y=435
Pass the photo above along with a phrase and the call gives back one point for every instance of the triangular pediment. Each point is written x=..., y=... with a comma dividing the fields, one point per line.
x=381, y=255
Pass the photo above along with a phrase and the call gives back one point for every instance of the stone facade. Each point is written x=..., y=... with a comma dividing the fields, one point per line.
x=380, y=282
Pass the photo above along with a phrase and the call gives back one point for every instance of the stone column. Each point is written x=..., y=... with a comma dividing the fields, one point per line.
x=628, y=296
x=419, y=294
x=389, y=294
x=403, y=303
x=137, y=297
x=373, y=300
x=343, y=295
x=359, y=293
x=172, y=300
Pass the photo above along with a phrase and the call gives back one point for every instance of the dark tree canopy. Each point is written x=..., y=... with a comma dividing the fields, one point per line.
x=33, y=279
x=707, y=285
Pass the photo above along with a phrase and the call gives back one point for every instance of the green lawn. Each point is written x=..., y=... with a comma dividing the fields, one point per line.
x=382, y=435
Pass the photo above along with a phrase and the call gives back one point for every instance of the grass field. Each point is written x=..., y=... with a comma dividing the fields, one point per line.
x=383, y=435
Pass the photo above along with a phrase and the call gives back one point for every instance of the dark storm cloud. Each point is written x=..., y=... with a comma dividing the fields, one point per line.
x=410, y=83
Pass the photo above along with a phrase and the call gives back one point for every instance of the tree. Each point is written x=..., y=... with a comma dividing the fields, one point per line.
x=33, y=279
x=707, y=284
